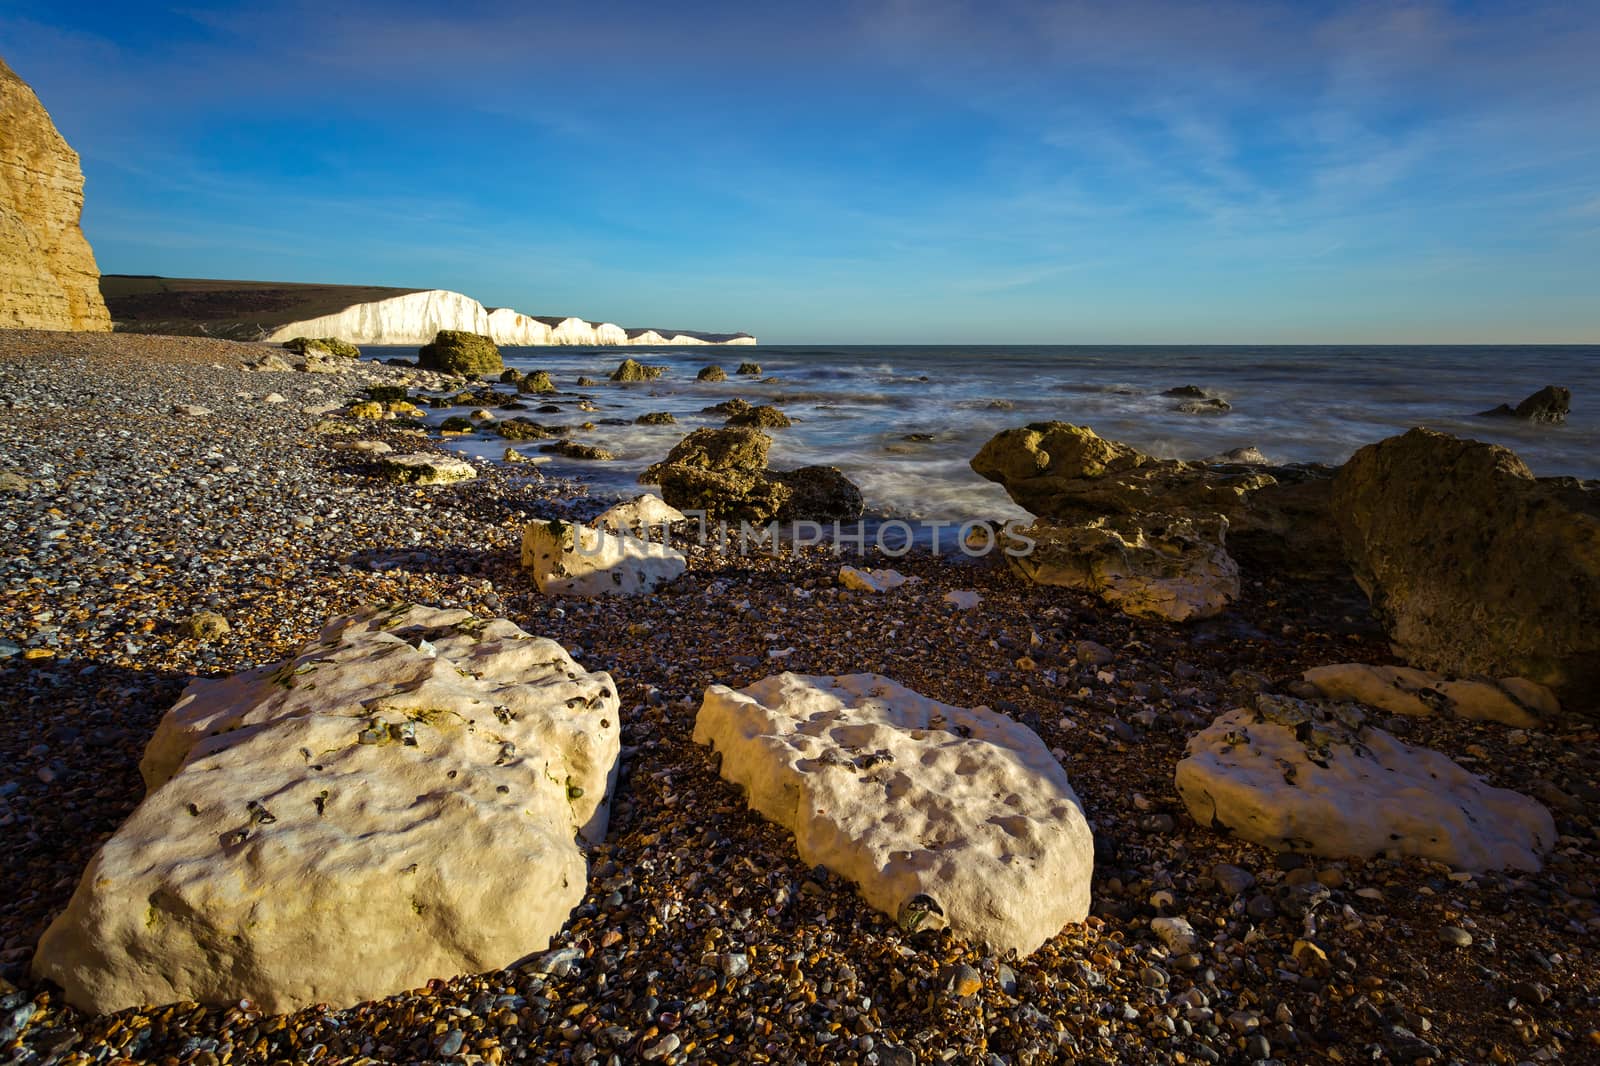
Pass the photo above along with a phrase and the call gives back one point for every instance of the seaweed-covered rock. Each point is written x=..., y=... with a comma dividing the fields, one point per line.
x=571, y=449
x=459, y=352
x=458, y=424
x=536, y=381
x=387, y=393
x=1059, y=470
x=586, y=382
x=656, y=418
x=943, y=816
x=522, y=429
x=633, y=370
x=733, y=406
x=404, y=799
x=328, y=345
x=721, y=472
x=748, y=369
x=1549, y=405
x=1474, y=565
x=819, y=494
x=711, y=373
x=764, y=417
x=1299, y=776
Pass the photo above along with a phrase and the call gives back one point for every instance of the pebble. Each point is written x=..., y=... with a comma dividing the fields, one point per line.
x=1454, y=936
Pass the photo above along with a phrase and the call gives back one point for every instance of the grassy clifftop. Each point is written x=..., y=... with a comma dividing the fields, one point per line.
x=240, y=310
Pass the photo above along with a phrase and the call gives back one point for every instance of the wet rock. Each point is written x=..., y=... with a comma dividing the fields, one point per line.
x=633, y=370
x=1550, y=405
x=711, y=373
x=818, y=494
x=764, y=417
x=459, y=352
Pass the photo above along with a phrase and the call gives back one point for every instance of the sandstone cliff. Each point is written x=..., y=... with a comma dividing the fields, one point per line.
x=48, y=277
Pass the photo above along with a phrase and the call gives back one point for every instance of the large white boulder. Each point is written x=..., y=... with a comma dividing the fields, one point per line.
x=400, y=801
x=644, y=512
x=1301, y=776
x=1515, y=701
x=575, y=560
x=942, y=815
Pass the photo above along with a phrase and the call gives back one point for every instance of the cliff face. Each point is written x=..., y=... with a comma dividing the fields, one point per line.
x=48, y=277
x=415, y=317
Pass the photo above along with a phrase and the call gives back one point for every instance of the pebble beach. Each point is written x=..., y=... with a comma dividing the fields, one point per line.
x=148, y=480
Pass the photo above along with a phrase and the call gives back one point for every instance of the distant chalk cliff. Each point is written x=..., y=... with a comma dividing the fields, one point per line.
x=280, y=311
x=416, y=316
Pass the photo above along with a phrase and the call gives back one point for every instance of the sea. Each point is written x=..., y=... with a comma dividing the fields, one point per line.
x=902, y=421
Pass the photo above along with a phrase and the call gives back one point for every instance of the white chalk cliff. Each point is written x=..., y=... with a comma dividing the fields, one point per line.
x=415, y=317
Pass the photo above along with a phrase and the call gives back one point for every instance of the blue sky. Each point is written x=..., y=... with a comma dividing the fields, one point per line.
x=871, y=172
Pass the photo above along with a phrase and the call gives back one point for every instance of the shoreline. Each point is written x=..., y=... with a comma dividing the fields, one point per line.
x=249, y=512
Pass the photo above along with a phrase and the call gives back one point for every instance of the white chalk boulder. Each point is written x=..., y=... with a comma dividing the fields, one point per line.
x=1310, y=777
x=426, y=468
x=643, y=512
x=1403, y=690
x=941, y=815
x=865, y=580
x=576, y=560
x=402, y=800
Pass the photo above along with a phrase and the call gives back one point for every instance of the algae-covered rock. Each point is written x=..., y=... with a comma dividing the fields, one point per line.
x=328, y=345
x=459, y=352
x=764, y=417
x=752, y=370
x=1474, y=565
x=572, y=449
x=522, y=429
x=711, y=373
x=633, y=370
x=656, y=418
x=536, y=381
x=819, y=494
x=387, y=393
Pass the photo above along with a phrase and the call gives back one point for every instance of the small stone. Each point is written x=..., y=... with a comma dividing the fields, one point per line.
x=1454, y=936
x=1176, y=933
x=450, y=1043
x=1232, y=879
x=661, y=1048
x=965, y=981
x=206, y=626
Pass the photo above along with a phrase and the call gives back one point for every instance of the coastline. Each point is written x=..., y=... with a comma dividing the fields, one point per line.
x=159, y=513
